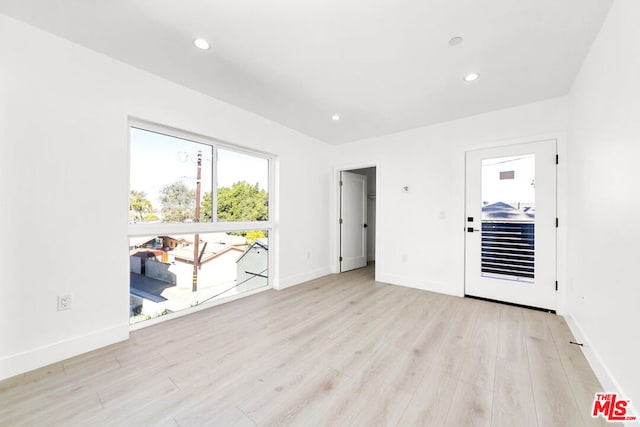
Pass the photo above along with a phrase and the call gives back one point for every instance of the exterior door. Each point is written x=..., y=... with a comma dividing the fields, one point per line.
x=353, y=221
x=510, y=250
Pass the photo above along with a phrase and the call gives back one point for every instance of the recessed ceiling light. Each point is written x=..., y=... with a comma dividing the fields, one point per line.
x=454, y=41
x=471, y=77
x=335, y=117
x=201, y=44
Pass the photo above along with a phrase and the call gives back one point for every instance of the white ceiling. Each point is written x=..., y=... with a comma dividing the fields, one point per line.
x=383, y=65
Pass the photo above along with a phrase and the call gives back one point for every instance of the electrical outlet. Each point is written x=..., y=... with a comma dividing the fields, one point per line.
x=64, y=302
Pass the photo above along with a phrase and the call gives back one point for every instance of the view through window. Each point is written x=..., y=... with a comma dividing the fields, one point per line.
x=508, y=218
x=199, y=222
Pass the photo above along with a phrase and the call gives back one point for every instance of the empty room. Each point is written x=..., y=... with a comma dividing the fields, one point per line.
x=319, y=213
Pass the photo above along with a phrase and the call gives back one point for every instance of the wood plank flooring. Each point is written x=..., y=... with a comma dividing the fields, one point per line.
x=342, y=350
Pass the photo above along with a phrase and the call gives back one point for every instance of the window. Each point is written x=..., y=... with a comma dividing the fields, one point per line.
x=508, y=218
x=242, y=190
x=199, y=221
x=166, y=174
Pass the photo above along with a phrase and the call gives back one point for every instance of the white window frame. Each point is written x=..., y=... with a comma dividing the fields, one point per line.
x=142, y=229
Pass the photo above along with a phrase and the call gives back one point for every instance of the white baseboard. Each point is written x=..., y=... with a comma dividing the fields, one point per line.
x=422, y=285
x=607, y=380
x=297, y=279
x=29, y=360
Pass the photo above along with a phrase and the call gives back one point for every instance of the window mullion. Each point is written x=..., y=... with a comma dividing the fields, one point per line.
x=214, y=190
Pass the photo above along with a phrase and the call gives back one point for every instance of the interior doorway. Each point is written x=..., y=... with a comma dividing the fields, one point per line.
x=357, y=234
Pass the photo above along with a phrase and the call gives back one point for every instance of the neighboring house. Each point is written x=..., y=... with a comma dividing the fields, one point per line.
x=139, y=242
x=170, y=243
x=172, y=258
x=501, y=211
x=208, y=252
x=217, y=265
x=253, y=266
x=224, y=239
x=217, y=255
x=138, y=258
x=167, y=242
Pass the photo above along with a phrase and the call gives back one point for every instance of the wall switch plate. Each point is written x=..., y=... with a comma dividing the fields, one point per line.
x=64, y=302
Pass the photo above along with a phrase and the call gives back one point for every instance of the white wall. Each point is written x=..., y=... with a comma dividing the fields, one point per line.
x=420, y=237
x=604, y=234
x=64, y=166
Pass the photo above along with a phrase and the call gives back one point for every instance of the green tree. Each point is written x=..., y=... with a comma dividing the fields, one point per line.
x=178, y=202
x=139, y=204
x=242, y=202
x=207, y=206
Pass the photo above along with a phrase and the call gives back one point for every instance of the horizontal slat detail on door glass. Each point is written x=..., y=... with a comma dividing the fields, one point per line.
x=508, y=249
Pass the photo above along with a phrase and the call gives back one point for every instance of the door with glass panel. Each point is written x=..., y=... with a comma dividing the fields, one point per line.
x=510, y=224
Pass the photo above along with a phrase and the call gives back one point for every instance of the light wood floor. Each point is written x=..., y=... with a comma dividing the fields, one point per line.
x=338, y=351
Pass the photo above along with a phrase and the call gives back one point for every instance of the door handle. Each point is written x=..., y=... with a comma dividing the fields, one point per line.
x=471, y=229
x=365, y=226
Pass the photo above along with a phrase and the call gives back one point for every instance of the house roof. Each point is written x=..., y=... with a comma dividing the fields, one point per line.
x=145, y=253
x=216, y=244
x=504, y=211
x=261, y=243
x=211, y=238
x=210, y=252
x=223, y=238
x=140, y=240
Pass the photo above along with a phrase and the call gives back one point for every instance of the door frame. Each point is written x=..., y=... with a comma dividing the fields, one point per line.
x=335, y=214
x=539, y=292
x=564, y=282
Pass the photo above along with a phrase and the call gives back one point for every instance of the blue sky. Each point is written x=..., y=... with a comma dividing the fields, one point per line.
x=158, y=160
